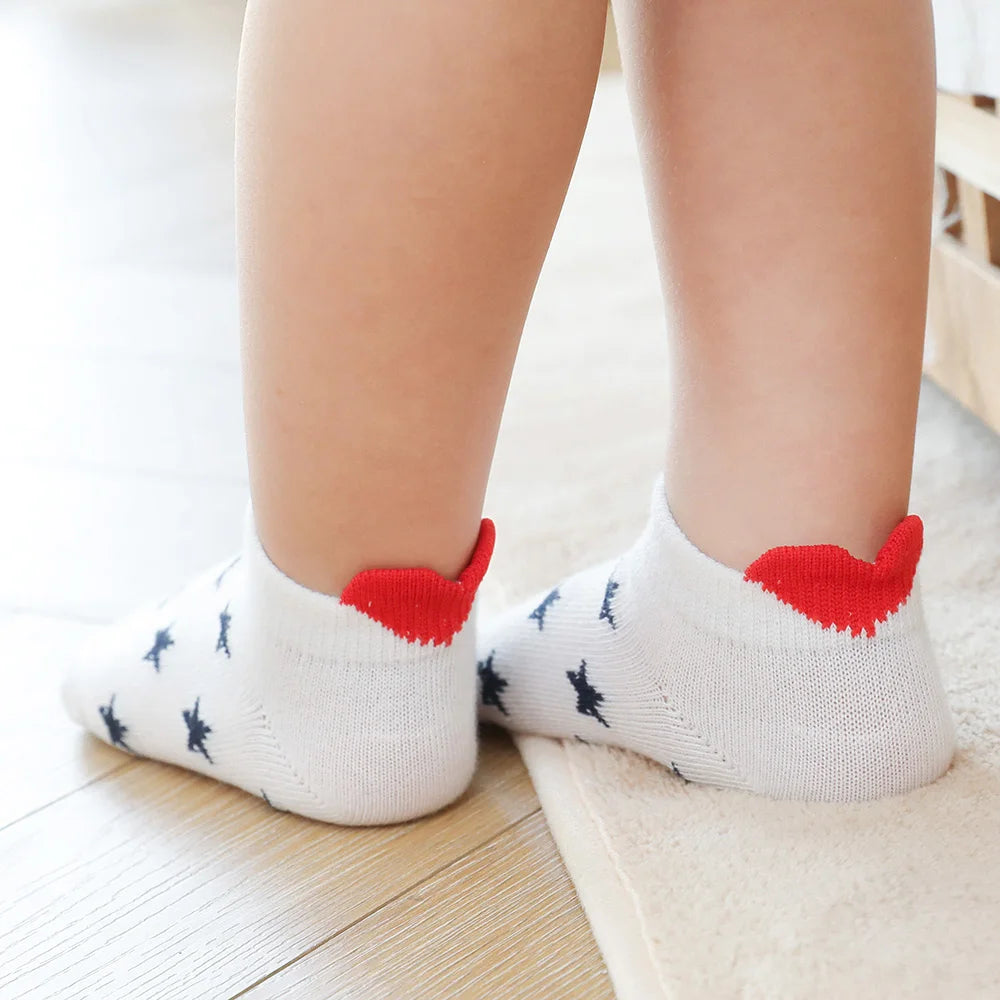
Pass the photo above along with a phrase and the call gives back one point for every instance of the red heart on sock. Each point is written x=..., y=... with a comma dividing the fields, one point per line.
x=419, y=605
x=831, y=587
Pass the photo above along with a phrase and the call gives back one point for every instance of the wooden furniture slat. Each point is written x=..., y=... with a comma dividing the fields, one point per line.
x=963, y=311
x=968, y=143
x=975, y=221
x=157, y=883
x=980, y=215
x=520, y=934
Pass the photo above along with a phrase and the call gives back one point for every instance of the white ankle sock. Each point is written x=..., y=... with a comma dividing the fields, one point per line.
x=354, y=710
x=811, y=676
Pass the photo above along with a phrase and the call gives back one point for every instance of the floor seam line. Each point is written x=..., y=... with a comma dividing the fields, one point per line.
x=117, y=769
x=378, y=909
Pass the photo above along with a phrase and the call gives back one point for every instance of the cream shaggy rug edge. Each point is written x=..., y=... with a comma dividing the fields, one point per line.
x=610, y=902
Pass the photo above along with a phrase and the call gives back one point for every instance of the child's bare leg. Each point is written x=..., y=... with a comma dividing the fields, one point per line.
x=400, y=168
x=788, y=152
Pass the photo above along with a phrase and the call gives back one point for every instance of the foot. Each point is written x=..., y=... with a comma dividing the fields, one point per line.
x=354, y=710
x=810, y=676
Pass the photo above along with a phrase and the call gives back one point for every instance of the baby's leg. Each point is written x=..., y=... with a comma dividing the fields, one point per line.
x=400, y=168
x=788, y=157
x=788, y=154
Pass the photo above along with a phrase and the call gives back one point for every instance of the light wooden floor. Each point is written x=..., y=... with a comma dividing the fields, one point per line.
x=123, y=458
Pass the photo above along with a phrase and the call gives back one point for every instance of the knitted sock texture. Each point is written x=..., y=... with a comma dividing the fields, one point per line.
x=809, y=676
x=354, y=710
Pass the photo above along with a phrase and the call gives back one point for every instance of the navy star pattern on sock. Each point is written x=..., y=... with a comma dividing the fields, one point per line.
x=539, y=613
x=221, y=576
x=492, y=684
x=607, y=614
x=197, y=731
x=587, y=696
x=161, y=643
x=116, y=728
x=222, y=643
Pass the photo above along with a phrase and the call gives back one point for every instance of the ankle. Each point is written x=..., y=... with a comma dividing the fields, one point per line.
x=736, y=525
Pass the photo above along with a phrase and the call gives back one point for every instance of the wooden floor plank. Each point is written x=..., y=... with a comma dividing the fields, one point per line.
x=53, y=757
x=157, y=883
x=95, y=545
x=501, y=922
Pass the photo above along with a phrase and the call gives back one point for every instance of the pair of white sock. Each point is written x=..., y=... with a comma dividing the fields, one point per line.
x=809, y=676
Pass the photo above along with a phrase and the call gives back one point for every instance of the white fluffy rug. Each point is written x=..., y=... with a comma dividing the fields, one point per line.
x=694, y=892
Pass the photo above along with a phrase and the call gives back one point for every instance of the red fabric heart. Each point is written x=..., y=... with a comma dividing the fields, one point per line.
x=829, y=586
x=420, y=605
